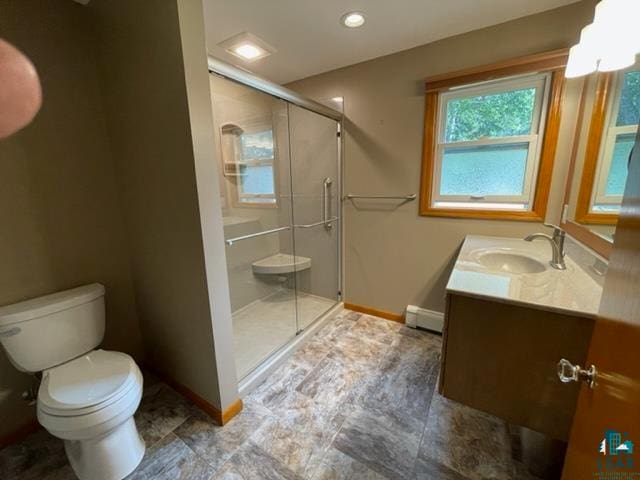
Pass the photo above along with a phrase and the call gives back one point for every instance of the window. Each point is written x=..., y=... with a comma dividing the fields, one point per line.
x=490, y=140
x=256, y=183
x=618, y=138
x=248, y=154
x=487, y=150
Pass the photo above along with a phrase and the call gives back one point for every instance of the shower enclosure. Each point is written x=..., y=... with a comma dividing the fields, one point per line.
x=280, y=182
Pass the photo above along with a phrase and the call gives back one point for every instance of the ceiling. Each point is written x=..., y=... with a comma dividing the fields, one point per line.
x=309, y=38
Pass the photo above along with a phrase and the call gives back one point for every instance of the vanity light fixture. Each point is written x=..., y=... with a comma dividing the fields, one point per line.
x=352, y=19
x=610, y=43
x=247, y=47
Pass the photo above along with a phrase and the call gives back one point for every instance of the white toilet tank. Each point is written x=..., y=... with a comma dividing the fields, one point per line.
x=46, y=331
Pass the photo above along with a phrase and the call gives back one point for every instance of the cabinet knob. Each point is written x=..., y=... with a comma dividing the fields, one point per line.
x=568, y=372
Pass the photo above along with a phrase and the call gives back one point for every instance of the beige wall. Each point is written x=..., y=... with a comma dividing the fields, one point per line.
x=196, y=75
x=393, y=256
x=59, y=209
x=155, y=150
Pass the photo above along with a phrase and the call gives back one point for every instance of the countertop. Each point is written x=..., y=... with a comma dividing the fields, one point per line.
x=575, y=291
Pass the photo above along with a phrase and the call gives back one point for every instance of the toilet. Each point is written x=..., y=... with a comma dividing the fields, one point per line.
x=87, y=396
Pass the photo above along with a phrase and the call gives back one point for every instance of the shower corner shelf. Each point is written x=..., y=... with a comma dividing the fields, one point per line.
x=281, y=263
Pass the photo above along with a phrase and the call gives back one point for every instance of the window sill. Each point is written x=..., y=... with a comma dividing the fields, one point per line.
x=237, y=204
x=520, y=216
x=597, y=218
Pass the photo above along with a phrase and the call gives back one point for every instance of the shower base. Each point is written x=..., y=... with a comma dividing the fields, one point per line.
x=264, y=326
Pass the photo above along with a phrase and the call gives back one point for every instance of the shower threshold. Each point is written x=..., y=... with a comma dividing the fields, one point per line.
x=266, y=325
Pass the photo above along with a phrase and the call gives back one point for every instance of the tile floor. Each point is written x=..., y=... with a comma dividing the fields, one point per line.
x=263, y=326
x=357, y=402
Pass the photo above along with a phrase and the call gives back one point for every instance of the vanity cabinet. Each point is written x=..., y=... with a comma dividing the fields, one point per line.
x=501, y=358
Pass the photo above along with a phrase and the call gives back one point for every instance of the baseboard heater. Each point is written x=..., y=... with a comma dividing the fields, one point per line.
x=417, y=317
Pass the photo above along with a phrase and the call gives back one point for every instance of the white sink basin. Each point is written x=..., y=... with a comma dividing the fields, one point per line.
x=510, y=262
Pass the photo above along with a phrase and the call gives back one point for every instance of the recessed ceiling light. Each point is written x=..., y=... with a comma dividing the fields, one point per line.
x=248, y=51
x=247, y=47
x=352, y=19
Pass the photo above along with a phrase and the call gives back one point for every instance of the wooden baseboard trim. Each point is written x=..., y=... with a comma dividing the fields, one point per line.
x=232, y=411
x=20, y=433
x=221, y=418
x=395, y=317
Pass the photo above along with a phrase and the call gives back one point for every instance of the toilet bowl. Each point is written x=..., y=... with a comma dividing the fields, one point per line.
x=86, y=397
x=89, y=403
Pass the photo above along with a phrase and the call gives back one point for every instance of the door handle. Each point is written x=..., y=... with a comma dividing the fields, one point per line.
x=326, y=202
x=568, y=372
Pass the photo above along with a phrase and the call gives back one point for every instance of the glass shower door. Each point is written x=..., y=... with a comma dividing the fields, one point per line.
x=255, y=180
x=316, y=227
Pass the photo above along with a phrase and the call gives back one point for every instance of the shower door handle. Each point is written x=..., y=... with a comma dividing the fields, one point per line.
x=317, y=224
x=231, y=241
x=326, y=203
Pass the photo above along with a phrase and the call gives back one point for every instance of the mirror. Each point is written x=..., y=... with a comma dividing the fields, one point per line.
x=605, y=135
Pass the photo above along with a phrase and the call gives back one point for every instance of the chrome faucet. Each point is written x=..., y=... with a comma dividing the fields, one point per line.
x=557, y=245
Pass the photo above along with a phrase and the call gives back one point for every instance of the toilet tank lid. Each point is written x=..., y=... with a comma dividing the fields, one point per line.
x=47, y=304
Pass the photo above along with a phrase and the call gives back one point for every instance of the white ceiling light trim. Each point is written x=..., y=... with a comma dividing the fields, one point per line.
x=610, y=43
x=247, y=46
x=352, y=19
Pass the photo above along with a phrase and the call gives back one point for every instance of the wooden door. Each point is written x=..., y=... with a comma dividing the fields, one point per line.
x=613, y=405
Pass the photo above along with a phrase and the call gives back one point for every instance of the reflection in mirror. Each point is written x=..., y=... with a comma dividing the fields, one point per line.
x=609, y=123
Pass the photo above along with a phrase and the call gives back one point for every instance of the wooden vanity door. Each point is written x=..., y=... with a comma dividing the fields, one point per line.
x=614, y=402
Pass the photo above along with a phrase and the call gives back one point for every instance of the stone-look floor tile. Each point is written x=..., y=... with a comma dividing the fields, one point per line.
x=216, y=444
x=377, y=329
x=404, y=383
x=278, y=385
x=427, y=469
x=171, y=459
x=346, y=314
x=337, y=466
x=358, y=351
x=298, y=442
x=161, y=411
x=151, y=382
x=336, y=328
x=252, y=463
x=312, y=353
x=349, y=405
x=521, y=472
x=379, y=442
x=299, y=432
x=353, y=316
x=331, y=383
x=423, y=336
x=298, y=408
x=40, y=456
x=470, y=442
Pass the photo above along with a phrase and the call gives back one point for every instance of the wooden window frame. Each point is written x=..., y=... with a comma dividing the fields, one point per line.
x=605, y=86
x=550, y=62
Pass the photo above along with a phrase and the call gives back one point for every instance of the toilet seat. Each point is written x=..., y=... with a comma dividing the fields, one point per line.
x=87, y=384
